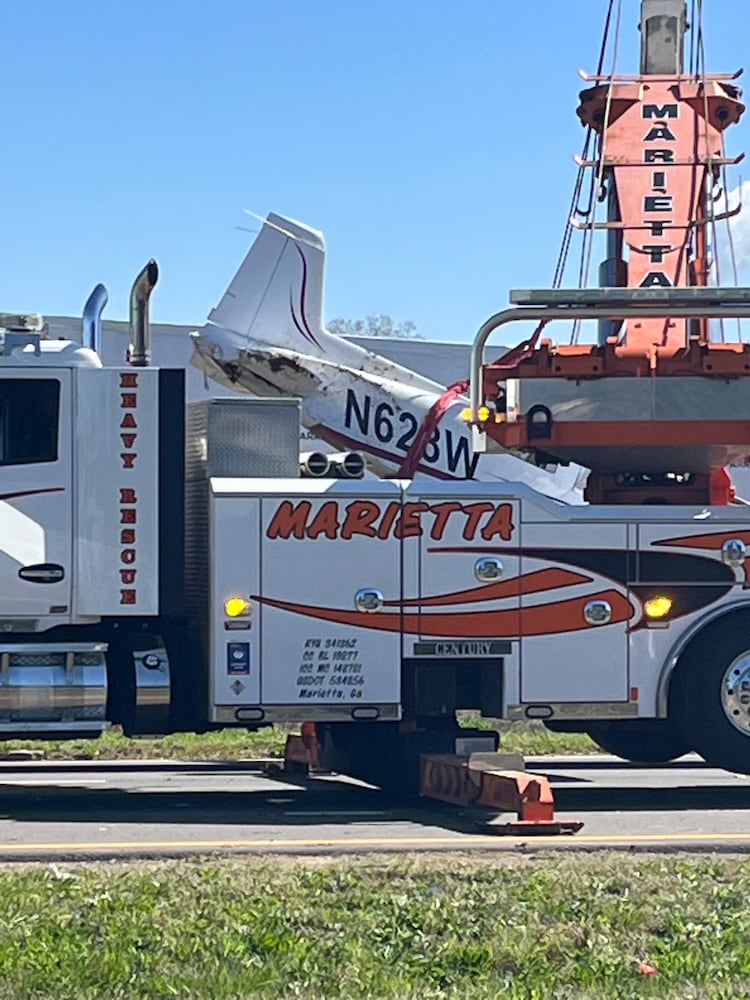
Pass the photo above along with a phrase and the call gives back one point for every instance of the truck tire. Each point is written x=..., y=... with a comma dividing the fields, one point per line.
x=640, y=741
x=710, y=694
x=566, y=726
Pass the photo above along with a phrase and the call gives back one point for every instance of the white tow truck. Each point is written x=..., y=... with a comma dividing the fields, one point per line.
x=166, y=568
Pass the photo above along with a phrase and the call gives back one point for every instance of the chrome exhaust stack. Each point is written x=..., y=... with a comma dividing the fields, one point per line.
x=139, y=351
x=347, y=464
x=340, y=465
x=314, y=465
x=91, y=321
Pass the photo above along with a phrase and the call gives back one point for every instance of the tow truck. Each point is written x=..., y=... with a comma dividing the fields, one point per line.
x=167, y=568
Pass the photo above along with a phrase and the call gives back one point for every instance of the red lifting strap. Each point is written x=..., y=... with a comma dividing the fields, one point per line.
x=432, y=418
x=443, y=403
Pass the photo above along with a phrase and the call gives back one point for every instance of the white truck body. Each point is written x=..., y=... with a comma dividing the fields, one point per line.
x=165, y=567
x=302, y=551
x=493, y=582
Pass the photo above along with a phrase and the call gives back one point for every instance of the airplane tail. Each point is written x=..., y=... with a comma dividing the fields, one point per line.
x=276, y=296
x=275, y=302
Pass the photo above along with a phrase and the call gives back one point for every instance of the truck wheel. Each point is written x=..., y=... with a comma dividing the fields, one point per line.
x=710, y=696
x=641, y=741
x=566, y=726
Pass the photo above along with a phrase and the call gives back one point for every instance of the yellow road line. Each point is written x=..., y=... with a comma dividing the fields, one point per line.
x=466, y=841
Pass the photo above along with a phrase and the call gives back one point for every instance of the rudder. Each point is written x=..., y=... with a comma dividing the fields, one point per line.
x=276, y=296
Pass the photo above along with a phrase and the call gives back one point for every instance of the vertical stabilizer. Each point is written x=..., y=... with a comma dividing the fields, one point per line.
x=276, y=296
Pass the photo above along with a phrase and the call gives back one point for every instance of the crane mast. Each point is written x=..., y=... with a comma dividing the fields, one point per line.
x=660, y=150
x=655, y=409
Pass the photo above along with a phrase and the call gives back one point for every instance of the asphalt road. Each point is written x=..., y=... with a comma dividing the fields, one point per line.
x=85, y=810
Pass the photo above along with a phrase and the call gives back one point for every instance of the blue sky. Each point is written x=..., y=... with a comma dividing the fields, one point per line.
x=431, y=142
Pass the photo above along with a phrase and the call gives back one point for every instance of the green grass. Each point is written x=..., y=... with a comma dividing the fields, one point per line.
x=227, y=744
x=530, y=738
x=376, y=927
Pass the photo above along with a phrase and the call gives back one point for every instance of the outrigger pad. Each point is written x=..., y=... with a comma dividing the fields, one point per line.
x=473, y=781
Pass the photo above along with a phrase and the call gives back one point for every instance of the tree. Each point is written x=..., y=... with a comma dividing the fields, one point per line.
x=374, y=325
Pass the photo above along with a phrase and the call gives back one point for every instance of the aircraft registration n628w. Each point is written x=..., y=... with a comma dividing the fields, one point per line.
x=266, y=336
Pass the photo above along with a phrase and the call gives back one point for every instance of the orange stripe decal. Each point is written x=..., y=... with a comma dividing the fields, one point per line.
x=529, y=583
x=541, y=619
x=712, y=541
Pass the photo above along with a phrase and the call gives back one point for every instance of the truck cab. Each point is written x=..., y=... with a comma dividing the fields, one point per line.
x=82, y=496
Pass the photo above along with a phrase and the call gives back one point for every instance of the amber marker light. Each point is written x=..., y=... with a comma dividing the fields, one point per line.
x=483, y=414
x=236, y=607
x=658, y=607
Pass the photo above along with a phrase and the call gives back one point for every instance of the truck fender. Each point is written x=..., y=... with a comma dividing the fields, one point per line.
x=685, y=639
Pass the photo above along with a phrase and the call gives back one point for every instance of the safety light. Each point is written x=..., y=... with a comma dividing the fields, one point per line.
x=237, y=607
x=483, y=414
x=658, y=607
